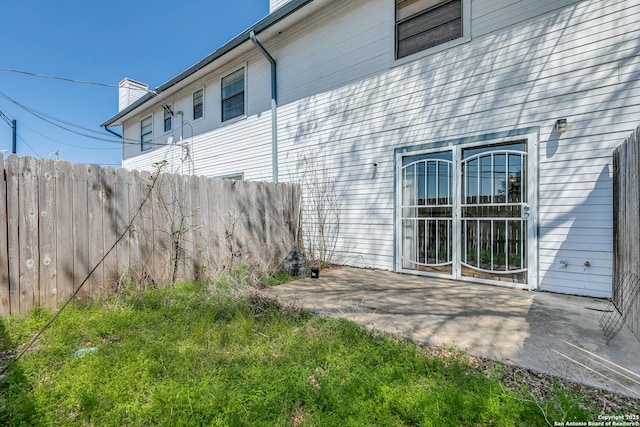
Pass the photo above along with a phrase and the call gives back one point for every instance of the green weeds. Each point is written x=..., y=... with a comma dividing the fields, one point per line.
x=194, y=355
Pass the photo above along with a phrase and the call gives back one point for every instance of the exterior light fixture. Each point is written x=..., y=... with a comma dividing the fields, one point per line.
x=561, y=125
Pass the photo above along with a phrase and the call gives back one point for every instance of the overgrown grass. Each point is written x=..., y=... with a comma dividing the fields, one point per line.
x=199, y=354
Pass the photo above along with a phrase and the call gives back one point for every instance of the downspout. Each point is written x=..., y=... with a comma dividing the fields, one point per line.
x=274, y=106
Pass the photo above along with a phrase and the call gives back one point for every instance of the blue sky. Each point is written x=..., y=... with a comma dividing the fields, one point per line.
x=99, y=41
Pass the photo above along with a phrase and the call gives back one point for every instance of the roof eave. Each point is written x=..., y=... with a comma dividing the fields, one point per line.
x=258, y=27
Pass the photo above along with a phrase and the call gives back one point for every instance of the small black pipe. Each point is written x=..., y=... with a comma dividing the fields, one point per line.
x=14, y=142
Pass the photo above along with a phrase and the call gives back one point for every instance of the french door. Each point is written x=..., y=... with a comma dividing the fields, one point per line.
x=465, y=212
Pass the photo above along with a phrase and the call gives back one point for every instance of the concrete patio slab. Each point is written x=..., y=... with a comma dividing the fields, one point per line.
x=550, y=333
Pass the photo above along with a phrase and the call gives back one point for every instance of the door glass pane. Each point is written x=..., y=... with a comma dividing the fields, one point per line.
x=408, y=191
x=493, y=206
x=427, y=211
x=485, y=180
x=471, y=181
x=421, y=181
x=432, y=182
x=500, y=178
x=444, y=183
x=493, y=223
x=499, y=240
x=515, y=177
x=470, y=239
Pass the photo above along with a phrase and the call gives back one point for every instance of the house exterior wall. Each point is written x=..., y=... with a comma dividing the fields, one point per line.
x=345, y=104
x=275, y=4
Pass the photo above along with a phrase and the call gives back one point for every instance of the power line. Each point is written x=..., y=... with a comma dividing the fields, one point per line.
x=48, y=118
x=30, y=147
x=44, y=76
x=56, y=122
x=70, y=145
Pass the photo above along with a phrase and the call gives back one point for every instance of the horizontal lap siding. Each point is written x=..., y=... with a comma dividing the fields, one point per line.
x=275, y=4
x=557, y=64
x=344, y=103
x=218, y=154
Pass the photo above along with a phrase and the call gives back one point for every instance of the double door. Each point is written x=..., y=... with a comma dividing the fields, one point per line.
x=465, y=213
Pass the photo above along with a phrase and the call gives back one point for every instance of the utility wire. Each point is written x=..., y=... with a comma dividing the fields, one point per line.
x=47, y=118
x=65, y=126
x=67, y=144
x=30, y=147
x=84, y=82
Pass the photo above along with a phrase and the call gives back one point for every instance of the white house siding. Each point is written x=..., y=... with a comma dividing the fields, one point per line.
x=208, y=146
x=526, y=65
x=275, y=4
x=345, y=104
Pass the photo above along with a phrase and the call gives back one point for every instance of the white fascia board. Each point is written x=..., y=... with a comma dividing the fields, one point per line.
x=283, y=16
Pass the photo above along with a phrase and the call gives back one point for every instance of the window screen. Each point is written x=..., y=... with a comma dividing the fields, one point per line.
x=167, y=119
x=198, y=105
x=146, y=133
x=422, y=24
x=233, y=95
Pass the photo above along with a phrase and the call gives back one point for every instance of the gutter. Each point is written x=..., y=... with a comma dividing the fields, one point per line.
x=262, y=25
x=112, y=132
x=274, y=105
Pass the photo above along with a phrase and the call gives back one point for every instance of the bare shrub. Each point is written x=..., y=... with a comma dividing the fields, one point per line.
x=321, y=212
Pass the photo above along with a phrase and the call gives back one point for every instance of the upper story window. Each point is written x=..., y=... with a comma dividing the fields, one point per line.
x=168, y=116
x=422, y=24
x=146, y=133
x=198, y=104
x=233, y=95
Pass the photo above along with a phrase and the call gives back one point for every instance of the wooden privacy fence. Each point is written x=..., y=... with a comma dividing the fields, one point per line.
x=59, y=220
x=626, y=219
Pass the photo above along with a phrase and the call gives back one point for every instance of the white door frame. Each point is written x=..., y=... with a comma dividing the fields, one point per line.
x=531, y=136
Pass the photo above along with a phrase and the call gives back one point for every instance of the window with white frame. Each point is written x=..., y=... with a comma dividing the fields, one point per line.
x=234, y=176
x=168, y=116
x=423, y=24
x=233, y=95
x=198, y=104
x=146, y=133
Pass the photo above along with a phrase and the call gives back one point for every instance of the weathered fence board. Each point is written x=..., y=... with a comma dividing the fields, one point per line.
x=109, y=228
x=95, y=213
x=4, y=251
x=120, y=222
x=626, y=217
x=47, y=228
x=80, y=227
x=133, y=237
x=60, y=220
x=64, y=233
x=13, y=214
x=28, y=234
